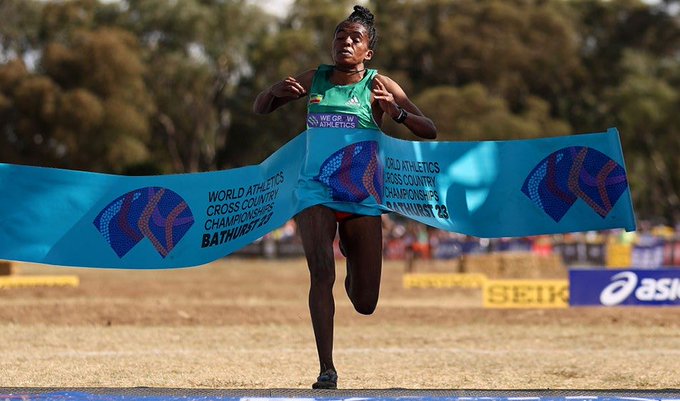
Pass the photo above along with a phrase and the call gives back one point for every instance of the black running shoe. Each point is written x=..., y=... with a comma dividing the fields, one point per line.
x=328, y=380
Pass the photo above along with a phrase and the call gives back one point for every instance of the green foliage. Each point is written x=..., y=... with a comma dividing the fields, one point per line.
x=514, y=48
x=645, y=105
x=472, y=113
x=86, y=97
x=195, y=52
x=19, y=27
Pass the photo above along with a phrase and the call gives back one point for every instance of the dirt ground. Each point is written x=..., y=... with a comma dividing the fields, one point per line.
x=244, y=324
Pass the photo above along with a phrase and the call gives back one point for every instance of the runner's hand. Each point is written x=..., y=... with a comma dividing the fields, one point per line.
x=289, y=87
x=385, y=99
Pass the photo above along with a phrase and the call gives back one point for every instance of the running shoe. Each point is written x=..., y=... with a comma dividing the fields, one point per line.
x=328, y=380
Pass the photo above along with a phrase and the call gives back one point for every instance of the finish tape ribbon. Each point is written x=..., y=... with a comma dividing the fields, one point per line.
x=484, y=189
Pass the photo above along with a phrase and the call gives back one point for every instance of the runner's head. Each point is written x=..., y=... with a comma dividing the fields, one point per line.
x=363, y=16
x=355, y=38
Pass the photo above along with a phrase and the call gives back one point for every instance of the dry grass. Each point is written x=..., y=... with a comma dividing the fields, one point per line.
x=244, y=324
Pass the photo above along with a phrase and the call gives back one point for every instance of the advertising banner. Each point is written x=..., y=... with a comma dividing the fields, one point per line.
x=526, y=294
x=635, y=287
x=648, y=256
x=444, y=280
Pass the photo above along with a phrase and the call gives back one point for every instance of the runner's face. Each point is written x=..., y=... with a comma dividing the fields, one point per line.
x=350, y=44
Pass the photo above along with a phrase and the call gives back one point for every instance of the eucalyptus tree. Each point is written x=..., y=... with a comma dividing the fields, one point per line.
x=196, y=54
x=80, y=101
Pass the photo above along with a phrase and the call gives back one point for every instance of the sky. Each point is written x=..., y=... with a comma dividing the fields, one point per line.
x=280, y=7
x=276, y=7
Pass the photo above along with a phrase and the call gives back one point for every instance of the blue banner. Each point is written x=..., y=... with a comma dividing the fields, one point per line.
x=624, y=287
x=485, y=189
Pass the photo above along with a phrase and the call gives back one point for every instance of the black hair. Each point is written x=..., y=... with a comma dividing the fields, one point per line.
x=362, y=15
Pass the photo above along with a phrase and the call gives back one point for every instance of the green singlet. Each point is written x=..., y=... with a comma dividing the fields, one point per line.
x=340, y=106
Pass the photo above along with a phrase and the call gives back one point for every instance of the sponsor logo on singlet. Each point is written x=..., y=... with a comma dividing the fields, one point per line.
x=354, y=102
x=332, y=120
x=315, y=98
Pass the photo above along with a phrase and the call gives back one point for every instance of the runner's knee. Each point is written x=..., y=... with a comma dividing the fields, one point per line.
x=321, y=267
x=365, y=304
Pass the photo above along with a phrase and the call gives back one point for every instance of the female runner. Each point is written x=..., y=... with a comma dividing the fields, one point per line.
x=346, y=88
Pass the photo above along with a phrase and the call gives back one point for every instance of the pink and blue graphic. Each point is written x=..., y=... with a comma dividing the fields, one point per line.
x=575, y=172
x=353, y=173
x=158, y=214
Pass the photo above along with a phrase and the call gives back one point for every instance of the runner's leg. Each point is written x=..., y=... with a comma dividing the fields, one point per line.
x=362, y=239
x=317, y=227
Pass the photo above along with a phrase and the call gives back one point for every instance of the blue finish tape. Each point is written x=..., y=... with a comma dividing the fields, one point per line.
x=485, y=189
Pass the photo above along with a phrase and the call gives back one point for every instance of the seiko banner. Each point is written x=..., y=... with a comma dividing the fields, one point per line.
x=624, y=287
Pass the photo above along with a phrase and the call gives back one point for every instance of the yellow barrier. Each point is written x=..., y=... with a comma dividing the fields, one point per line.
x=444, y=280
x=39, y=281
x=526, y=294
x=619, y=256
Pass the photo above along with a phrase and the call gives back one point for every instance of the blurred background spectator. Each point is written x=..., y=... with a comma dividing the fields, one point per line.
x=652, y=246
